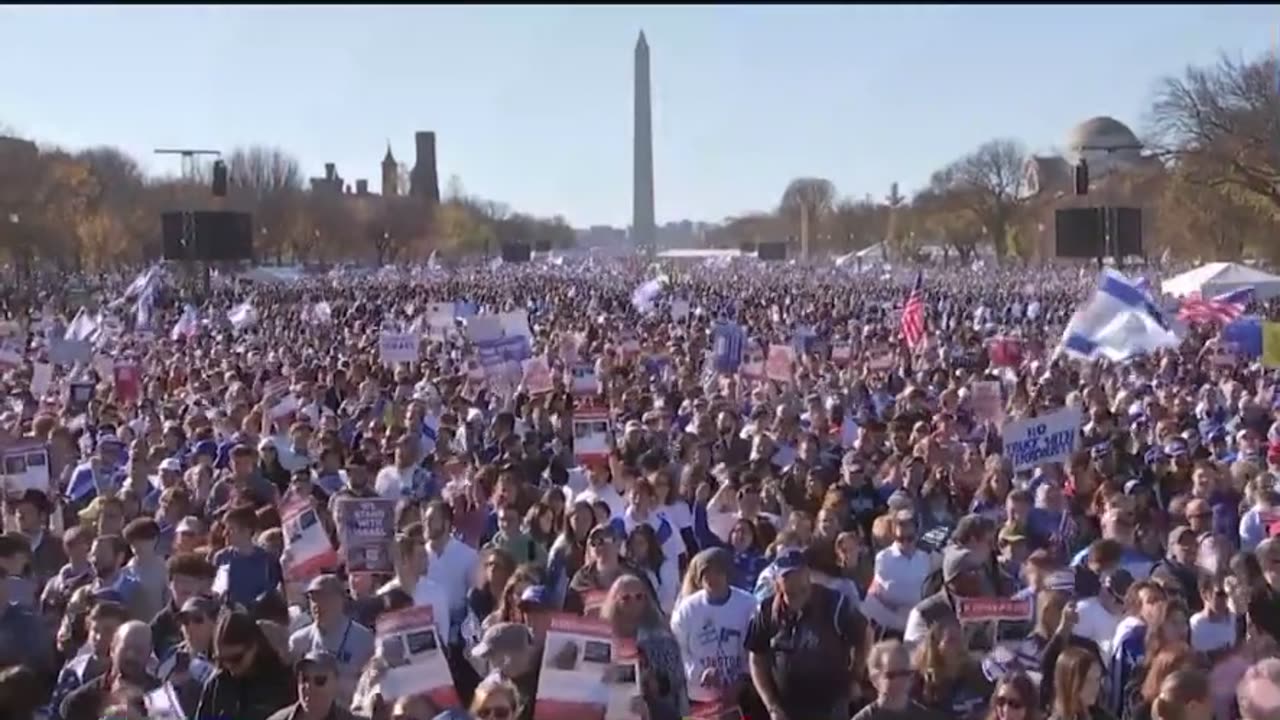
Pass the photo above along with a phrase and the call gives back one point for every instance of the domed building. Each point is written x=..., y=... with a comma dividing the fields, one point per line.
x=1118, y=171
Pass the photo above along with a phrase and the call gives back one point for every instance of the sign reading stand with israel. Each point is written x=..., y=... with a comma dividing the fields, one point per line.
x=1044, y=439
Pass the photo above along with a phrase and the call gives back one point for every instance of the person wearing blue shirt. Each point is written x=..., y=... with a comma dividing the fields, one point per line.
x=1128, y=650
x=244, y=570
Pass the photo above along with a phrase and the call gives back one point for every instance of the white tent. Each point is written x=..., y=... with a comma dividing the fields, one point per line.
x=1222, y=277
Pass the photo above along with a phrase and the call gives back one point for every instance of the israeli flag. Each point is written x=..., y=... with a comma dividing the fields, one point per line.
x=188, y=325
x=646, y=295
x=243, y=315
x=1120, y=321
x=146, y=302
x=82, y=327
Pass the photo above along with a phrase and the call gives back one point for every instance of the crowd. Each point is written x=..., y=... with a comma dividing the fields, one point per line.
x=840, y=535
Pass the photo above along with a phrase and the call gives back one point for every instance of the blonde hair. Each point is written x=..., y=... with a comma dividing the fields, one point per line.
x=650, y=619
x=494, y=685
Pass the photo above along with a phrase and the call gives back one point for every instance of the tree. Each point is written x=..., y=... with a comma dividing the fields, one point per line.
x=988, y=183
x=814, y=195
x=1226, y=120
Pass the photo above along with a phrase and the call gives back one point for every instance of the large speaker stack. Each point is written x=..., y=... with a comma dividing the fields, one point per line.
x=207, y=236
x=516, y=252
x=772, y=251
x=1094, y=233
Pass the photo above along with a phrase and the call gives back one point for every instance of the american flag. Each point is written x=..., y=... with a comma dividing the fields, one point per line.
x=1221, y=309
x=913, y=314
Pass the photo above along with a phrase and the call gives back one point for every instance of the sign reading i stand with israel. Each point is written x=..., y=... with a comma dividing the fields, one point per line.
x=1048, y=438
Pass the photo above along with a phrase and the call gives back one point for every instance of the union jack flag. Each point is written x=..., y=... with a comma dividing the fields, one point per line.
x=1220, y=309
x=913, y=314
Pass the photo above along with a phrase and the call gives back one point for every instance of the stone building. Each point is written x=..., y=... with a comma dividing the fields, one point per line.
x=1120, y=174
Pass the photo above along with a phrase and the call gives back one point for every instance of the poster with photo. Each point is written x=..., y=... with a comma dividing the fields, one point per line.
x=307, y=550
x=26, y=467
x=580, y=665
x=366, y=527
x=412, y=647
x=591, y=436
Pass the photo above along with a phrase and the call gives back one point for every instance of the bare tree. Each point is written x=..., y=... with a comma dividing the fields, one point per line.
x=263, y=171
x=815, y=195
x=1226, y=119
x=988, y=183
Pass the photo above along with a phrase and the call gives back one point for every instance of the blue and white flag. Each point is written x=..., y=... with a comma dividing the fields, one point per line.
x=729, y=342
x=188, y=325
x=146, y=282
x=646, y=295
x=146, y=302
x=82, y=327
x=1117, y=323
x=243, y=315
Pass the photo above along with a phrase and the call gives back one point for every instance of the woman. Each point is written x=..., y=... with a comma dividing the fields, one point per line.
x=496, y=568
x=496, y=699
x=948, y=680
x=989, y=500
x=508, y=608
x=748, y=557
x=645, y=552
x=630, y=610
x=540, y=526
x=269, y=465
x=1184, y=695
x=1077, y=685
x=1164, y=663
x=1015, y=698
x=569, y=551
x=251, y=681
x=672, y=506
x=1028, y=655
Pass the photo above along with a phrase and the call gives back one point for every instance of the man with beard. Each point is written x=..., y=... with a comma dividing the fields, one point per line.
x=93, y=660
x=107, y=553
x=127, y=676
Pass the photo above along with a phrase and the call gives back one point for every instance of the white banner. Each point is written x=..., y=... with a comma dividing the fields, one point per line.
x=398, y=347
x=1045, y=439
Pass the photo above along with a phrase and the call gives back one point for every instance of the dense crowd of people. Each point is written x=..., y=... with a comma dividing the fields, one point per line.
x=843, y=540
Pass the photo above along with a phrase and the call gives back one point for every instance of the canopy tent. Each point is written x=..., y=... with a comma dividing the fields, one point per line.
x=1222, y=277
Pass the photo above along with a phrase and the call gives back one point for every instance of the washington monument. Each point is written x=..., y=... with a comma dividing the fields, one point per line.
x=642, y=222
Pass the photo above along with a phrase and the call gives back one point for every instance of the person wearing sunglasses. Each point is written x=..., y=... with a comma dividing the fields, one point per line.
x=496, y=698
x=889, y=667
x=604, y=565
x=251, y=681
x=188, y=665
x=1015, y=698
x=317, y=678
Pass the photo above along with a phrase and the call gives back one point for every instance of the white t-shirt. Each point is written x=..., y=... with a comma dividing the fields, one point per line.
x=899, y=577
x=607, y=494
x=1208, y=635
x=427, y=594
x=1097, y=624
x=391, y=481
x=712, y=635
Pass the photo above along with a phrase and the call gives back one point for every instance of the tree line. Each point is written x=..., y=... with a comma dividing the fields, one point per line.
x=96, y=210
x=1210, y=191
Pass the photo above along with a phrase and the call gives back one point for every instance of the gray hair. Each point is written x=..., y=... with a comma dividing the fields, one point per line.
x=1259, y=691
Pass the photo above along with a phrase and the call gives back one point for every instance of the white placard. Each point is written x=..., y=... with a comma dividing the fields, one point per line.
x=579, y=658
x=584, y=380
x=780, y=363
x=1048, y=438
x=537, y=376
x=515, y=324
x=483, y=328
x=398, y=347
x=591, y=435
x=42, y=379
x=26, y=467
x=411, y=645
x=988, y=404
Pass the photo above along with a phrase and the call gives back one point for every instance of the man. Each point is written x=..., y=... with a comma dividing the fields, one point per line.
x=334, y=632
x=77, y=572
x=1177, y=570
x=15, y=561
x=47, y=556
x=405, y=478
x=963, y=573
x=94, y=658
x=1119, y=524
x=245, y=479
x=889, y=666
x=108, y=553
x=900, y=572
x=409, y=559
x=146, y=566
x=805, y=647
x=1101, y=614
x=359, y=485
x=190, y=664
x=189, y=575
x=318, y=694
x=130, y=652
x=452, y=564
x=710, y=626
x=244, y=570
x=1258, y=693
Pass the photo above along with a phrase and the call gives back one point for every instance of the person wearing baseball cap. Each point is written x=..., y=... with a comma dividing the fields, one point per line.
x=317, y=675
x=800, y=642
x=962, y=576
x=334, y=631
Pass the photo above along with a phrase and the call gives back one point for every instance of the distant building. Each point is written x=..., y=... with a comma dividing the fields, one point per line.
x=1120, y=174
x=390, y=174
x=423, y=180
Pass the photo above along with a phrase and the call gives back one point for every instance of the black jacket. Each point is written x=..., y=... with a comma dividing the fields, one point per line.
x=266, y=688
x=89, y=700
x=166, y=631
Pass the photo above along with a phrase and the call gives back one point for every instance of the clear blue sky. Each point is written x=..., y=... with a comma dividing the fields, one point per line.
x=532, y=105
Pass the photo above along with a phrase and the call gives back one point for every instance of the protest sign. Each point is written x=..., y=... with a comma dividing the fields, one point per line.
x=779, y=365
x=128, y=381
x=365, y=529
x=577, y=665
x=1048, y=438
x=881, y=361
x=398, y=347
x=41, y=379
x=591, y=435
x=987, y=402
x=440, y=318
x=411, y=645
x=752, y=367
x=993, y=609
x=69, y=352
x=26, y=467
x=484, y=328
x=307, y=550
x=515, y=324
x=537, y=376
x=583, y=380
